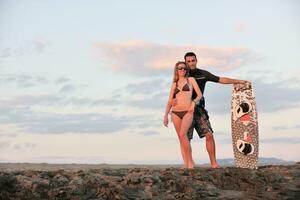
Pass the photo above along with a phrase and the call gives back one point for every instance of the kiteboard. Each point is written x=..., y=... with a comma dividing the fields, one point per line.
x=244, y=126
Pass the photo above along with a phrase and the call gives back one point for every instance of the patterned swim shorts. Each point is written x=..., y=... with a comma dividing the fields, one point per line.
x=200, y=123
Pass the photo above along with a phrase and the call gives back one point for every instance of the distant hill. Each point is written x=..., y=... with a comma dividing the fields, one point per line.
x=261, y=161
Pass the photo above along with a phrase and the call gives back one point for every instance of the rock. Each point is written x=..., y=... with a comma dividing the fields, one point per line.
x=212, y=190
x=135, y=193
x=60, y=179
x=7, y=183
x=269, y=189
x=4, y=195
x=267, y=182
x=231, y=194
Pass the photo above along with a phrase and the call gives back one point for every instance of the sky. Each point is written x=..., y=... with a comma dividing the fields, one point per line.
x=88, y=81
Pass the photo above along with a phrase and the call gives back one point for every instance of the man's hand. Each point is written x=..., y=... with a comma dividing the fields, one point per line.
x=243, y=81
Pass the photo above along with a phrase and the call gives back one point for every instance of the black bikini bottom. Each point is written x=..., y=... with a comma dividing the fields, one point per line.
x=180, y=114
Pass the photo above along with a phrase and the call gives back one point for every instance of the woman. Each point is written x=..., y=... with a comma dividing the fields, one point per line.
x=182, y=113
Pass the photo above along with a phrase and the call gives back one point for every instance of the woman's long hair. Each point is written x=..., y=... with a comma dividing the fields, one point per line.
x=176, y=77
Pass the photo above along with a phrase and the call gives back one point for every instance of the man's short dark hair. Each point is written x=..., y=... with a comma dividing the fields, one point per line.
x=189, y=54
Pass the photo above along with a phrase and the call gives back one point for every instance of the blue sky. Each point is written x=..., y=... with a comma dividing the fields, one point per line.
x=87, y=81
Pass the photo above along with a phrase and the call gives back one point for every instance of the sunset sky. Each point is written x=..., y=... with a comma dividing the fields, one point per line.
x=88, y=81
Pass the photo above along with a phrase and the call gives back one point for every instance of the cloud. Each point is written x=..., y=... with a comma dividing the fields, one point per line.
x=149, y=86
x=147, y=95
x=153, y=94
x=25, y=80
x=67, y=88
x=149, y=133
x=18, y=110
x=28, y=120
x=150, y=59
x=270, y=97
x=4, y=144
x=61, y=80
x=38, y=45
x=25, y=145
x=292, y=81
x=146, y=121
x=30, y=100
x=5, y=53
x=8, y=135
x=224, y=141
x=286, y=140
x=281, y=128
x=276, y=96
x=53, y=100
x=40, y=122
x=22, y=80
x=157, y=101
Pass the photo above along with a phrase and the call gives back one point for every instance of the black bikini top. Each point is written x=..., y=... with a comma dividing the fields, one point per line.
x=184, y=88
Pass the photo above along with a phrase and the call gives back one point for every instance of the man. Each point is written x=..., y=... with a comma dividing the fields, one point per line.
x=201, y=119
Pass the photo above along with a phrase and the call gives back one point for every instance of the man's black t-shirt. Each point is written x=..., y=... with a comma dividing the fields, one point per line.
x=202, y=76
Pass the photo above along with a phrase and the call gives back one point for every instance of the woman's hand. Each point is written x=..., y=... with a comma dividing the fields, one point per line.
x=192, y=107
x=166, y=120
x=174, y=102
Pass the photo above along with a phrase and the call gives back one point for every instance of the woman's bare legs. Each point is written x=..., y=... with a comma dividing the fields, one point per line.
x=185, y=125
x=177, y=124
x=182, y=126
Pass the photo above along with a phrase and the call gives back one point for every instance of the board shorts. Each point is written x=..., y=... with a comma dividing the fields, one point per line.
x=200, y=123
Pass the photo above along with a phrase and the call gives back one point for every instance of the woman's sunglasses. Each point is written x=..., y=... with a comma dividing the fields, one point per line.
x=180, y=68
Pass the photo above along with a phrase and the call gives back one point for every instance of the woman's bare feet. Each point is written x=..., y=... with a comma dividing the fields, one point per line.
x=191, y=165
x=214, y=166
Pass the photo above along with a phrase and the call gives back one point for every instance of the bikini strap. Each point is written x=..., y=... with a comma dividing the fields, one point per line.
x=187, y=80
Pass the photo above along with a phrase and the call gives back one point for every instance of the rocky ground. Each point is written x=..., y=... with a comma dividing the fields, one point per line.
x=267, y=182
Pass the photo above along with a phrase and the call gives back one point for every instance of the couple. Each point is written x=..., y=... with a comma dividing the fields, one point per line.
x=188, y=106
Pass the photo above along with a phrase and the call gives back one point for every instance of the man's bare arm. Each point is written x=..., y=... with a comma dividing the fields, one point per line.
x=225, y=80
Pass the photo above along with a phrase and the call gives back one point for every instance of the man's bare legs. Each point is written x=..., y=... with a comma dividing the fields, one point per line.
x=211, y=149
x=181, y=126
